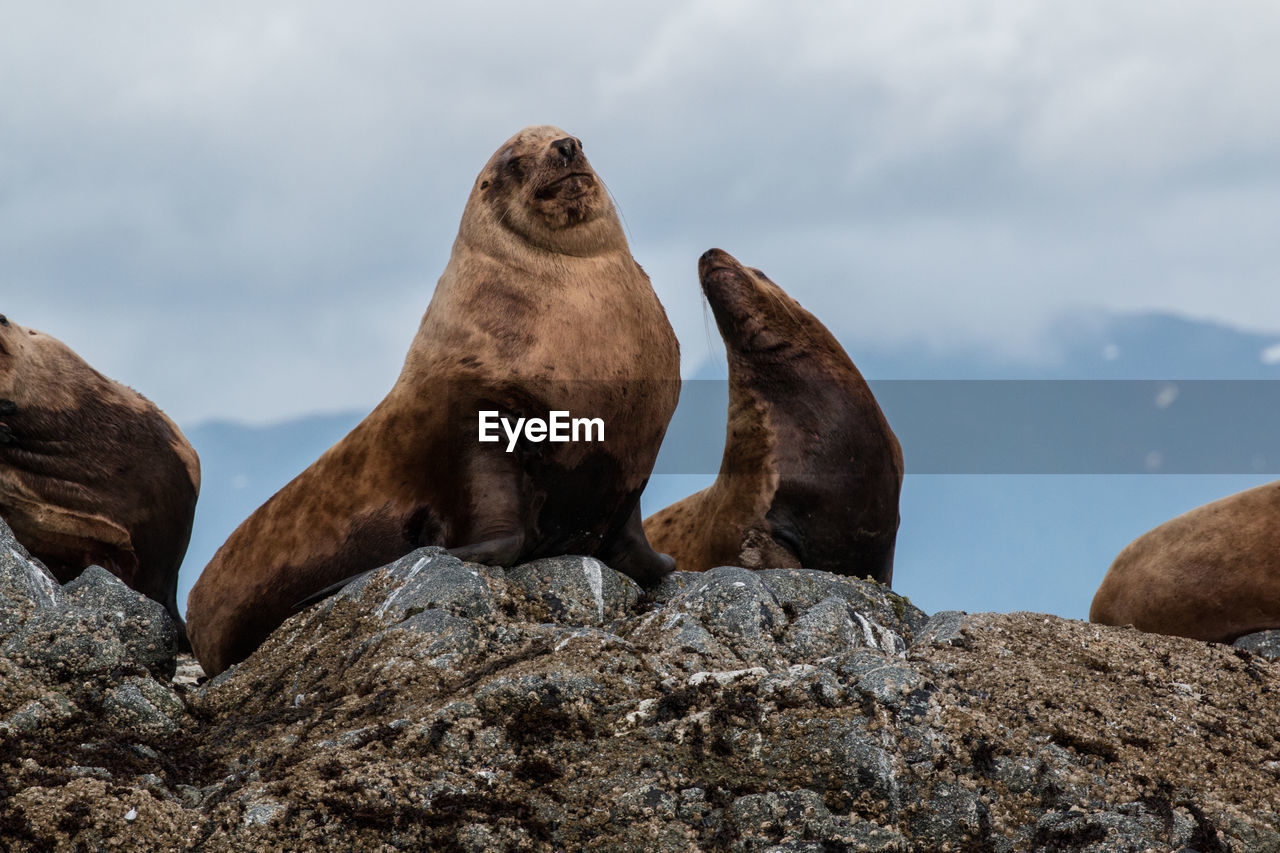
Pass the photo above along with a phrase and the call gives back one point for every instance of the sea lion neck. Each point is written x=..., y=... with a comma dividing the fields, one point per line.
x=483, y=233
x=511, y=250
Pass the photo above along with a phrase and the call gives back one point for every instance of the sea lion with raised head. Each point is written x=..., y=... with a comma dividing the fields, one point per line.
x=91, y=472
x=1212, y=573
x=811, y=471
x=541, y=309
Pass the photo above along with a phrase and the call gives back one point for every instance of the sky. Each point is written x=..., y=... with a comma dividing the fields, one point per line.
x=241, y=209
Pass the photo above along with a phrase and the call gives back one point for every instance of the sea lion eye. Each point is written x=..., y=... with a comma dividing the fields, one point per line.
x=514, y=167
x=4, y=321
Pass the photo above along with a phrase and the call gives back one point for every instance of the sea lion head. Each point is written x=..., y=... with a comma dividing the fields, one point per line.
x=761, y=325
x=29, y=359
x=540, y=188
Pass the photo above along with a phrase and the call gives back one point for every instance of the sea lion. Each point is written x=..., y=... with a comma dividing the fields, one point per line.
x=811, y=471
x=91, y=472
x=1210, y=574
x=541, y=308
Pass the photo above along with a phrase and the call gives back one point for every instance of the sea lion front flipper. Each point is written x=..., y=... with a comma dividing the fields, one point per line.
x=333, y=588
x=499, y=501
x=503, y=551
x=629, y=552
x=493, y=552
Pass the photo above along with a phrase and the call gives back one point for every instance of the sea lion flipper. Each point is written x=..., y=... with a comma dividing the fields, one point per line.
x=503, y=551
x=494, y=552
x=629, y=552
x=331, y=589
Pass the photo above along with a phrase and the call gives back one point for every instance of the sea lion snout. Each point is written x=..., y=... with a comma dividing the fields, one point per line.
x=737, y=298
x=712, y=260
x=568, y=148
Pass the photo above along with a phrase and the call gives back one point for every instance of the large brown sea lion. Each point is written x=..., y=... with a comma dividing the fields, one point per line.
x=91, y=472
x=811, y=470
x=540, y=309
x=1210, y=574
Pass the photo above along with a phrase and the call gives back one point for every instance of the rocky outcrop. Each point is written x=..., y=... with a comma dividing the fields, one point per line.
x=436, y=704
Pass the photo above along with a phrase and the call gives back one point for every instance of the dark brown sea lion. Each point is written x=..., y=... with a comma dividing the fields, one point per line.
x=91, y=472
x=1210, y=574
x=540, y=309
x=811, y=470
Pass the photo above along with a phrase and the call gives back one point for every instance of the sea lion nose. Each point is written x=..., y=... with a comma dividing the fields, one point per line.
x=712, y=259
x=568, y=148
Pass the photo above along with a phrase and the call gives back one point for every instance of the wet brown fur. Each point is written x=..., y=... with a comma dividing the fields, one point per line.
x=1210, y=574
x=91, y=472
x=811, y=471
x=540, y=308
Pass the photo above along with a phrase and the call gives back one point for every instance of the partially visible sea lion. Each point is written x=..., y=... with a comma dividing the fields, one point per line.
x=91, y=472
x=1210, y=574
x=540, y=309
x=811, y=471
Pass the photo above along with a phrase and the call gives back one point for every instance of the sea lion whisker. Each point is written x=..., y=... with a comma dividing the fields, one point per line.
x=626, y=227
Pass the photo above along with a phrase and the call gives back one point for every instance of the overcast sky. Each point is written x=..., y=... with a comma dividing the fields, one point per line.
x=241, y=208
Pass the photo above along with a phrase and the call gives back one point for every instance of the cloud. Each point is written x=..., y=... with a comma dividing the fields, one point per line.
x=242, y=209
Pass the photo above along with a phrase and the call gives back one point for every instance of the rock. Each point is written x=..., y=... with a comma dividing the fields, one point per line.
x=950, y=816
x=737, y=609
x=25, y=584
x=832, y=627
x=143, y=626
x=422, y=580
x=804, y=588
x=97, y=626
x=784, y=816
x=438, y=704
x=946, y=627
x=1265, y=643
x=142, y=705
x=577, y=590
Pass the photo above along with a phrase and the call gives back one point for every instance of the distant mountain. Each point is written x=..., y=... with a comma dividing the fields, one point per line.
x=1094, y=345
x=1020, y=540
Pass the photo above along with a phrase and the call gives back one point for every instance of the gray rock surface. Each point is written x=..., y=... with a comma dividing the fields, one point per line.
x=25, y=584
x=1265, y=643
x=436, y=704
